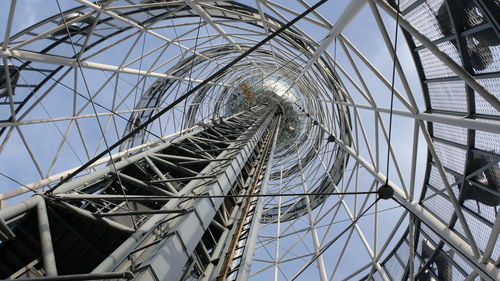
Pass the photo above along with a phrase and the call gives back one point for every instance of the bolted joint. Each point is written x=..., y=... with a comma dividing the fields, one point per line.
x=385, y=192
x=128, y=275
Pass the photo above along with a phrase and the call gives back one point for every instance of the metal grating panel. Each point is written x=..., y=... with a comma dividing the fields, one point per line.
x=448, y=96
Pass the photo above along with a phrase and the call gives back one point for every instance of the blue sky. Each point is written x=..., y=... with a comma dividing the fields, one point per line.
x=362, y=32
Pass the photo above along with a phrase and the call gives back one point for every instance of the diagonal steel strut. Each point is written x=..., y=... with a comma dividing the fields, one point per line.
x=217, y=74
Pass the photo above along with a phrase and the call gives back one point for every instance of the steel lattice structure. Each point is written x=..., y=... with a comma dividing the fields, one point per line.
x=236, y=140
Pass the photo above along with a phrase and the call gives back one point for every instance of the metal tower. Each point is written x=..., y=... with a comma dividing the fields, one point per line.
x=250, y=140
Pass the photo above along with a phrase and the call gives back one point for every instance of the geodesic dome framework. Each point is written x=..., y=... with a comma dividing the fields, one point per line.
x=76, y=82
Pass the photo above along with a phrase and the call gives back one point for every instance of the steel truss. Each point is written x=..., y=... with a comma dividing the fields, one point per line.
x=226, y=157
x=84, y=77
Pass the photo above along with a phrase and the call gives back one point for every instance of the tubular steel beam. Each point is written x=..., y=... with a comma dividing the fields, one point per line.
x=5, y=232
x=146, y=198
x=19, y=208
x=490, y=246
x=57, y=60
x=448, y=119
x=180, y=211
x=54, y=178
x=181, y=240
x=347, y=15
x=247, y=256
x=196, y=215
x=91, y=276
x=267, y=150
x=212, y=77
x=488, y=271
x=49, y=259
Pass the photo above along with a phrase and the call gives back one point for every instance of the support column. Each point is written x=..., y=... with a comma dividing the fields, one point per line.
x=49, y=259
x=175, y=251
x=246, y=260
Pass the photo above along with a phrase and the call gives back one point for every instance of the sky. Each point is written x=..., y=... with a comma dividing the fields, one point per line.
x=361, y=32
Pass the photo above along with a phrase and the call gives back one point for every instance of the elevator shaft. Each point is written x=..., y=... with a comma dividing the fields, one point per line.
x=245, y=221
x=150, y=214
